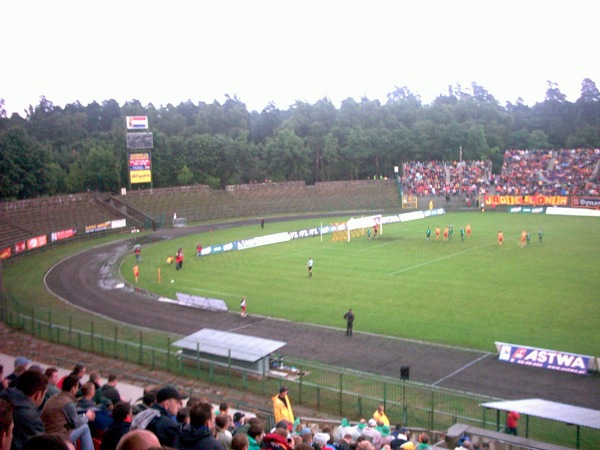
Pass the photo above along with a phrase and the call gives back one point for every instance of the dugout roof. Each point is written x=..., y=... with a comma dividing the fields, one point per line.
x=221, y=343
x=561, y=412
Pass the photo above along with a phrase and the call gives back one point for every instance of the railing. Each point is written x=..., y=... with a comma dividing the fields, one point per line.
x=338, y=391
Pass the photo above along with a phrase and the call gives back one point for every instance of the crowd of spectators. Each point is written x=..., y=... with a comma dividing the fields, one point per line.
x=91, y=415
x=550, y=172
x=524, y=172
x=446, y=178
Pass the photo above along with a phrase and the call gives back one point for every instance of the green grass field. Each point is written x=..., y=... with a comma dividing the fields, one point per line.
x=467, y=294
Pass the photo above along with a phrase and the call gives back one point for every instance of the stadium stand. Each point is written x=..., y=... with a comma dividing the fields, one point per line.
x=554, y=172
x=24, y=219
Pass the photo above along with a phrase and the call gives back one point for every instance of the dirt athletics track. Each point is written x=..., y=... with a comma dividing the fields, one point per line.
x=88, y=281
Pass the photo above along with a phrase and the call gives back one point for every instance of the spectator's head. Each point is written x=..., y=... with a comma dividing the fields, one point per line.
x=320, y=439
x=95, y=378
x=79, y=371
x=6, y=425
x=21, y=364
x=223, y=408
x=222, y=421
x=170, y=399
x=34, y=385
x=423, y=438
x=112, y=379
x=52, y=375
x=238, y=417
x=283, y=391
x=240, y=442
x=183, y=416
x=48, y=442
x=121, y=411
x=138, y=440
x=88, y=390
x=256, y=432
x=201, y=415
x=71, y=383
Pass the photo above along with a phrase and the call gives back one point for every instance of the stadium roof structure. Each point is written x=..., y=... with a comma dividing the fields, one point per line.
x=237, y=346
x=561, y=412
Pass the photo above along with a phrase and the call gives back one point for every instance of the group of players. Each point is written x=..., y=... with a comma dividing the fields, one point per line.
x=524, y=241
x=449, y=232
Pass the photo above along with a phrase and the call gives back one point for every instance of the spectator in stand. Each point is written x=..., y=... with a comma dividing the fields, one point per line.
x=78, y=371
x=255, y=436
x=222, y=432
x=109, y=390
x=21, y=364
x=60, y=415
x=86, y=401
x=423, y=442
x=4, y=382
x=163, y=425
x=122, y=415
x=52, y=374
x=147, y=400
x=370, y=432
x=6, y=424
x=238, y=419
x=138, y=440
x=240, y=442
x=95, y=378
x=48, y=442
x=25, y=399
x=200, y=436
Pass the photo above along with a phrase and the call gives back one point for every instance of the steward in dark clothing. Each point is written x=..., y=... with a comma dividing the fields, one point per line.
x=200, y=438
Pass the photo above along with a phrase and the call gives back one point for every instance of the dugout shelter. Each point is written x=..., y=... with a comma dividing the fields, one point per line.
x=231, y=350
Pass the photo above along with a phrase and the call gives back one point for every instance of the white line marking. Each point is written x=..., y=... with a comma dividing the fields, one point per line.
x=461, y=369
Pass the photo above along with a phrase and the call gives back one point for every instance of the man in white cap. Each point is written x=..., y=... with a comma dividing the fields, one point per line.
x=370, y=432
x=320, y=440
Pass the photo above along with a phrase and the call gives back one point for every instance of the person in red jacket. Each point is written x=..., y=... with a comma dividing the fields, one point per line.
x=512, y=419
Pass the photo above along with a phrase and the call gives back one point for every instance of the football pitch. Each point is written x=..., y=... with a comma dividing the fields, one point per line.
x=466, y=294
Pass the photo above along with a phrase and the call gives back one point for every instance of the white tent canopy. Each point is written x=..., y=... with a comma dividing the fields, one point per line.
x=560, y=412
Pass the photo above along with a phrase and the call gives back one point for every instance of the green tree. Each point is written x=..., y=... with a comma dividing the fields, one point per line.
x=185, y=176
x=288, y=157
x=100, y=169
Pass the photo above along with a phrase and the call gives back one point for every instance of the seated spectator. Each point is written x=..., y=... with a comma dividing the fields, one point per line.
x=21, y=364
x=240, y=442
x=138, y=440
x=6, y=424
x=109, y=390
x=161, y=415
x=60, y=415
x=48, y=442
x=78, y=372
x=52, y=374
x=200, y=436
x=222, y=432
x=121, y=415
x=255, y=436
x=25, y=399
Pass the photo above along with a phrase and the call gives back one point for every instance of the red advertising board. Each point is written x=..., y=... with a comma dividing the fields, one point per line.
x=35, y=242
x=5, y=253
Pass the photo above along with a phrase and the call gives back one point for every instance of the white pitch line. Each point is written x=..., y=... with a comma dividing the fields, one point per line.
x=406, y=269
x=461, y=369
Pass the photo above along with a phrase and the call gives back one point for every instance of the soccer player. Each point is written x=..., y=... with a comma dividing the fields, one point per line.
x=309, y=265
x=136, y=272
x=500, y=238
x=375, y=228
x=468, y=230
x=528, y=239
x=368, y=234
x=450, y=232
x=540, y=235
x=462, y=234
x=428, y=233
x=437, y=233
x=446, y=231
x=523, y=238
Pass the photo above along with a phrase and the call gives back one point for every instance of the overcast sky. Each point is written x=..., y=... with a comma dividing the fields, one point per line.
x=281, y=51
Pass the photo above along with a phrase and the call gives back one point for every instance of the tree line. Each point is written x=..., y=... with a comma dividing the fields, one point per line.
x=55, y=150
